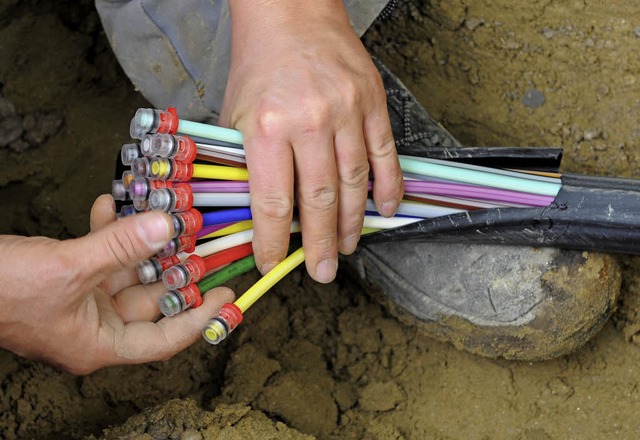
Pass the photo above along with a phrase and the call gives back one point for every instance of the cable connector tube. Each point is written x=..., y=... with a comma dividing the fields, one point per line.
x=129, y=153
x=162, y=168
x=126, y=211
x=218, y=328
x=141, y=205
x=186, y=243
x=147, y=120
x=190, y=271
x=178, y=199
x=186, y=223
x=167, y=145
x=118, y=191
x=140, y=187
x=150, y=271
x=127, y=178
x=179, y=300
x=141, y=167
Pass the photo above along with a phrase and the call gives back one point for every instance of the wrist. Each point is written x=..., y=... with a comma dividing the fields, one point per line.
x=281, y=12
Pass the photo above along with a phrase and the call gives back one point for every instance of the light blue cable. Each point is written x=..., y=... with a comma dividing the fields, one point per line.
x=424, y=167
x=476, y=177
x=208, y=131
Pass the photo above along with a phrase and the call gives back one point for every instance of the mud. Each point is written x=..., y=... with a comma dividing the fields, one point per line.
x=331, y=361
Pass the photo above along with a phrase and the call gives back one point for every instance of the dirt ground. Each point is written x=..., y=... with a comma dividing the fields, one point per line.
x=330, y=361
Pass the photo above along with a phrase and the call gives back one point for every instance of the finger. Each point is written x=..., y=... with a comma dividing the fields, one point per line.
x=139, y=303
x=353, y=174
x=120, y=245
x=270, y=165
x=103, y=212
x=141, y=342
x=317, y=198
x=120, y=280
x=383, y=158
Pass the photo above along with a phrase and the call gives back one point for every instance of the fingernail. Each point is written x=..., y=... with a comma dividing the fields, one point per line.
x=155, y=230
x=350, y=243
x=326, y=271
x=388, y=209
x=266, y=267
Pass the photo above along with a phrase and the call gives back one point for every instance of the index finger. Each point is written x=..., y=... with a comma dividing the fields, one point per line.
x=271, y=175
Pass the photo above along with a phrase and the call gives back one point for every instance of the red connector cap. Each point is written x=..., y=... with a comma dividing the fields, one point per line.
x=181, y=275
x=151, y=270
x=187, y=150
x=232, y=314
x=185, y=243
x=187, y=223
x=191, y=295
x=168, y=121
x=162, y=168
x=177, y=199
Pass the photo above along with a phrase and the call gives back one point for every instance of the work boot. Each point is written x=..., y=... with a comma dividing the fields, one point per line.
x=513, y=302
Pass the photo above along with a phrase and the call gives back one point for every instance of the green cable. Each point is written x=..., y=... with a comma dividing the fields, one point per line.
x=208, y=131
x=228, y=273
x=475, y=177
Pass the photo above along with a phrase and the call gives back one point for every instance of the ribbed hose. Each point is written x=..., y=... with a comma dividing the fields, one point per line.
x=388, y=10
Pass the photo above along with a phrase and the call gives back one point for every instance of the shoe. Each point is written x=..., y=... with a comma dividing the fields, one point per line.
x=514, y=302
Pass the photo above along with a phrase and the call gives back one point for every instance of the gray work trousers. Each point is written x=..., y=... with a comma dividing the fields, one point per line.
x=178, y=52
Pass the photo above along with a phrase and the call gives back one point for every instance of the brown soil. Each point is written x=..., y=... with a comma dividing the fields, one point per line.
x=330, y=361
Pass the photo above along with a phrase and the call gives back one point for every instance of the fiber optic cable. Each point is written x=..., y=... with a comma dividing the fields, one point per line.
x=230, y=229
x=194, y=268
x=219, y=172
x=226, y=216
x=478, y=177
x=176, y=301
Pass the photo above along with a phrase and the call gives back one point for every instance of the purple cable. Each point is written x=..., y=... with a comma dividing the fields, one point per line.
x=206, y=230
x=477, y=192
x=448, y=189
x=212, y=186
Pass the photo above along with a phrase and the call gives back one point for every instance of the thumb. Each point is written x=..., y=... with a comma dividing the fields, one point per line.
x=124, y=243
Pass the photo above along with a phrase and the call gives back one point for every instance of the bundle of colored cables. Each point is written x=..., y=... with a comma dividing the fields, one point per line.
x=197, y=173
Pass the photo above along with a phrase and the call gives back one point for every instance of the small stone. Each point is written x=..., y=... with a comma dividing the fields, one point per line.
x=40, y=127
x=591, y=133
x=472, y=23
x=380, y=396
x=533, y=98
x=10, y=130
x=7, y=109
x=19, y=145
x=636, y=32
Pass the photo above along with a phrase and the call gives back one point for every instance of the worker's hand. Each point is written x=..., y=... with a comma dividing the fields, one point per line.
x=312, y=109
x=78, y=304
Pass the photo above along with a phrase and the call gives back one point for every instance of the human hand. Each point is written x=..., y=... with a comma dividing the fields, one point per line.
x=78, y=304
x=311, y=106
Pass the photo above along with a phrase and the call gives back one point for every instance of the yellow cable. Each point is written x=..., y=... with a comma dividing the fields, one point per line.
x=240, y=226
x=270, y=279
x=276, y=274
x=219, y=172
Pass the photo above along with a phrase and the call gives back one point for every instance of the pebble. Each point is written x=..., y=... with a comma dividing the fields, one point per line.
x=533, y=98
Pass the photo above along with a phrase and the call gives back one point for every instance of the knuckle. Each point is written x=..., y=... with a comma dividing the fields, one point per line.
x=350, y=95
x=122, y=247
x=385, y=148
x=320, y=198
x=324, y=246
x=356, y=174
x=273, y=206
x=269, y=122
x=314, y=120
